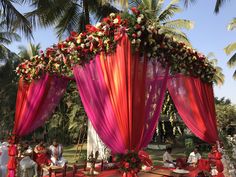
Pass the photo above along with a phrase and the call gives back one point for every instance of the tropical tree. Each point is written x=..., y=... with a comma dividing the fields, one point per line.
x=13, y=18
x=231, y=48
x=218, y=4
x=26, y=53
x=68, y=15
x=219, y=77
x=162, y=17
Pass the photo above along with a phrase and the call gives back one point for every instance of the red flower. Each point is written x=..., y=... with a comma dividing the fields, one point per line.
x=133, y=159
x=135, y=10
x=127, y=165
x=137, y=26
x=106, y=20
x=91, y=28
x=73, y=33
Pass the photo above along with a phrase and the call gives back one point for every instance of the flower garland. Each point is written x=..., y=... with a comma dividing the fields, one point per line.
x=145, y=37
x=129, y=162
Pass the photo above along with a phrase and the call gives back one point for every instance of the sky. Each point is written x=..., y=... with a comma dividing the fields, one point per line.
x=208, y=35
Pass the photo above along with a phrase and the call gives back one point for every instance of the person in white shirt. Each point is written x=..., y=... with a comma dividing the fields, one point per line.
x=56, y=154
x=168, y=159
x=194, y=157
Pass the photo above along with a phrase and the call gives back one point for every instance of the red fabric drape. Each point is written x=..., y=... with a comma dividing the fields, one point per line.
x=36, y=101
x=194, y=101
x=124, y=92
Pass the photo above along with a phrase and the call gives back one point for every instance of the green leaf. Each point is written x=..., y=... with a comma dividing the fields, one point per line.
x=230, y=48
x=232, y=61
x=232, y=24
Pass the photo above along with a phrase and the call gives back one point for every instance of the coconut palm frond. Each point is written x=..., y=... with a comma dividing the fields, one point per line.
x=176, y=34
x=169, y=11
x=234, y=75
x=232, y=61
x=69, y=21
x=219, y=4
x=188, y=2
x=180, y=24
x=232, y=24
x=230, y=48
x=14, y=19
x=11, y=36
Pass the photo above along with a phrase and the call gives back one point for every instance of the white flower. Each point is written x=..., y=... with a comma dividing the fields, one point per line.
x=143, y=28
x=78, y=40
x=149, y=54
x=154, y=48
x=138, y=41
x=82, y=46
x=87, y=44
x=133, y=41
x=141, y=16
x=139, y=33
x=98, y=25
x=112, y=15
x=116, y=20
x=139, y=20
x=145, y=43
x=100, y=33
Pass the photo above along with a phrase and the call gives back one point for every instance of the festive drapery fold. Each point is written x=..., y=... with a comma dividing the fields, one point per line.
x=194, y=101
x=36, y=101
x=122, y=94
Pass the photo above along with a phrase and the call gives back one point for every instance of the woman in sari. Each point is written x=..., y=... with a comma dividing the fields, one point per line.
x=41, y=154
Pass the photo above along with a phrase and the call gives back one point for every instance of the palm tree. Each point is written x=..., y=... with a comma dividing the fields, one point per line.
x=27, y=53
x=13, y=18
x=231, y=48
x=218, y=4
x=219, y=77
x=68, y=15
x=162, y=17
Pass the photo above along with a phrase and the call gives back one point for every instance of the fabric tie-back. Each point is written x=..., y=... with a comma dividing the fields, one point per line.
x=122, y=94
x=36, y=101
x=194, y=101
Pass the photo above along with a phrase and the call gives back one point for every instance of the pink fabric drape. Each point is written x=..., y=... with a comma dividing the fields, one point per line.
x=36, y=101
x=194, y=101
x=122, y=95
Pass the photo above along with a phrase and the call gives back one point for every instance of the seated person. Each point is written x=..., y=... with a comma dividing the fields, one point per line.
x=194, y=157
x=168, y=159
x=27, y=165
x=41, y=154
x=3, y=159
x=56, y=154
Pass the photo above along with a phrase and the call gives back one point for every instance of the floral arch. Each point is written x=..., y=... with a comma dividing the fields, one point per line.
x=123, y=67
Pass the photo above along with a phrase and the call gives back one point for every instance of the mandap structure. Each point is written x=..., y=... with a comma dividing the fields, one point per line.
x=123, y=67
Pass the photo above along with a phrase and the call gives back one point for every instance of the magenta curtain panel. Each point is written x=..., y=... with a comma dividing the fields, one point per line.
x=122, y=94
x=194, y=101
x=36, y=101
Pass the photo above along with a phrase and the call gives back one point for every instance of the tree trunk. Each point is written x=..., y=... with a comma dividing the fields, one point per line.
x=86, y=11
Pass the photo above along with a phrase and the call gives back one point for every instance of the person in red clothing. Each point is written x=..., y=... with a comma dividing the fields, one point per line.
x=41, y=154
x=215, y=160
x=12, y=153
